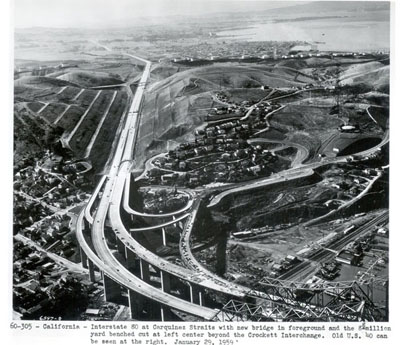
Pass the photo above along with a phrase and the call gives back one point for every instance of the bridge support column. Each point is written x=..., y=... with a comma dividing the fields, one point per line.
x=142, y=308
x=166, y=314
x=130, y=259
x=221, y=255
x=120, y=246
x=112, y=290
x=196, y=295
x=84, y=258
x=135, y=304
x=92, y=276
x=144, y=271
x=165, y=281
x=164, y=237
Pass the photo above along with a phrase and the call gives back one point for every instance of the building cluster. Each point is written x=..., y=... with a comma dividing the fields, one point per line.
x=258, y=111
x=352, y=181
x=218, y=154
x=27, y=212
x=40, y=285
x=354, y=253
x=51, y=234
x=104, y=312
x=42, y=70
x=52, y=189
x=217, y=50
x=39, y=191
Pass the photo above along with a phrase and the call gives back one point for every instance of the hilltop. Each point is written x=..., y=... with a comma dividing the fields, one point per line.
x=89, y=78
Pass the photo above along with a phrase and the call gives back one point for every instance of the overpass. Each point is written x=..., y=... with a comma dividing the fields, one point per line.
x=131, y=273
x=98, y=254
x=119, y=274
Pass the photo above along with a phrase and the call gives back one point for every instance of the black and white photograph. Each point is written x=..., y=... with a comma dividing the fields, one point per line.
x=201, y=161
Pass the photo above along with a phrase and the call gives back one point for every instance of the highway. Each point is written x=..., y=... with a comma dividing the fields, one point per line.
x=293, y=173
x=128, y=209
x=115, y=187
x=191, y=262
x=302, y=151
x=151, y=258
x=88, y=208
x=113, y=269
x=160, y=226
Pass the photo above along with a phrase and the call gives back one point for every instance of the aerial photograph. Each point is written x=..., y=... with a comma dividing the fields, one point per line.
x=201, y=160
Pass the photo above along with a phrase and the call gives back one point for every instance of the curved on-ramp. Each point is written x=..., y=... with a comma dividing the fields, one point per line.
x=128, y=209
x=113, y=269
x=151, y=258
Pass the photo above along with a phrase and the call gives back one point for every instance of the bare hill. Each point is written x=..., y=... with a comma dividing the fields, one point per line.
x=89, y=79
x=378, y=79
x=363, y=68
x=179, y=103
x=42, y=82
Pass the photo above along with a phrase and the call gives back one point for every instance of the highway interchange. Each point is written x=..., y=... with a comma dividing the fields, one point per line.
x=113, y=190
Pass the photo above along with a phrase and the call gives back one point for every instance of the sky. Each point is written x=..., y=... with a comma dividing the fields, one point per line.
x=108, y=13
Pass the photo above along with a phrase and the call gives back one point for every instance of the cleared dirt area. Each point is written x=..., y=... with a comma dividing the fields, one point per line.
x=86, y=129
x=101, y=149
x=52, y=111
x=71, y=117
x=238, y=95
x=86, y=97
x=35, y=106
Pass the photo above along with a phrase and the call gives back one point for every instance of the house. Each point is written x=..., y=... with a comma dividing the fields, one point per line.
x=347, y=257
x=92, y=312
x=255, y=169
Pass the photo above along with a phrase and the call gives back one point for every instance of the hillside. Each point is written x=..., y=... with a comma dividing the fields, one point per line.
x=42, y=82
x=378, y=79
x=89, y=79
x=179, y=103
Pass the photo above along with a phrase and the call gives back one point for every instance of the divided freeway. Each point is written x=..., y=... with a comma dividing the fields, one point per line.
x=115, y=191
